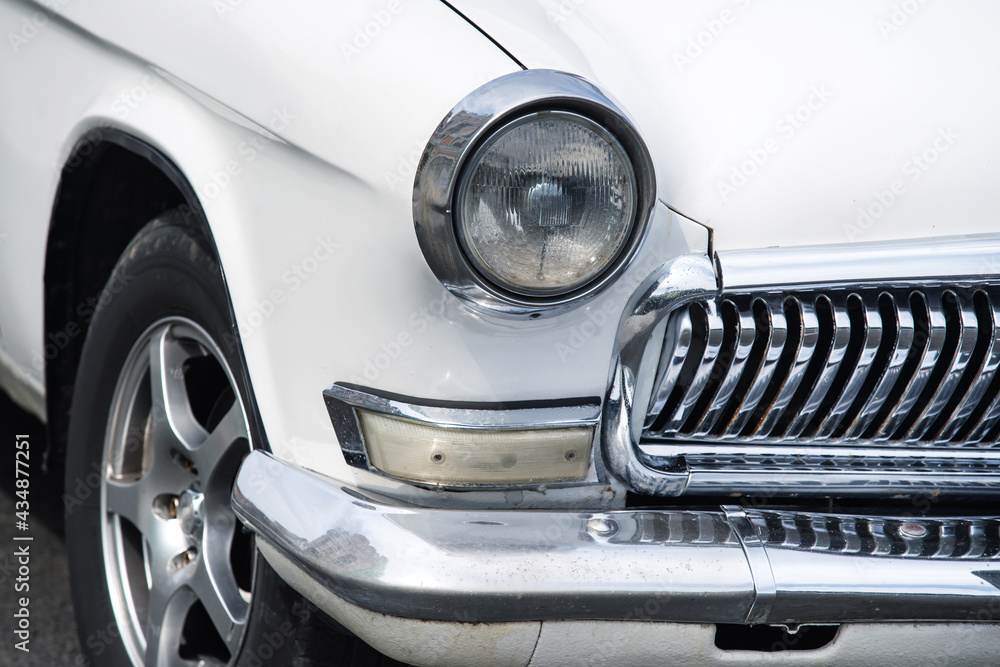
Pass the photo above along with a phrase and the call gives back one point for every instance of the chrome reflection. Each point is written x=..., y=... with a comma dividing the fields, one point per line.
x=731, y=565
x=458, y=136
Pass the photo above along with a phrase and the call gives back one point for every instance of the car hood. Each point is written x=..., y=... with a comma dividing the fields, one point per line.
x=789, y=123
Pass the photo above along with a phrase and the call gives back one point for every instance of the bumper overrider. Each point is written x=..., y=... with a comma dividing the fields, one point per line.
x=731, y=564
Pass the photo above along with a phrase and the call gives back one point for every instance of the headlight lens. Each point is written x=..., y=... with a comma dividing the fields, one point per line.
x=546, y=204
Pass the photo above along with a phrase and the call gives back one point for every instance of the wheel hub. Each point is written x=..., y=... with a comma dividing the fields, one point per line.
x=190, y=512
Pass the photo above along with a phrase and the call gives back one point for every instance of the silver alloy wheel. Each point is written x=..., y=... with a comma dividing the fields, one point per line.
x=178, y=568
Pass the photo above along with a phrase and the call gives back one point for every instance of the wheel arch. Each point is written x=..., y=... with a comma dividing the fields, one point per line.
x=111, y=185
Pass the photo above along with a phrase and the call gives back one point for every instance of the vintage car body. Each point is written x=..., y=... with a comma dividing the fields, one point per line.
x=802, y=155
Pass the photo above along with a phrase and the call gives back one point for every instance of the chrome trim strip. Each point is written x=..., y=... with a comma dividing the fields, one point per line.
x=973, y=256
x=675, y=284
x=760, y=566
x=727, y=566
x=342, y=399
x=752, y=467
x=865, y=484
x=748, y=447
x=464, y=128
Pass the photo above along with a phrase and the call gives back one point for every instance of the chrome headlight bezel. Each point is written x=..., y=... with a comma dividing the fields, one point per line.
x=464, y=131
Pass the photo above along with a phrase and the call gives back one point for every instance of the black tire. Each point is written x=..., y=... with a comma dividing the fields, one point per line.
x=287, y=629
x=163, y=281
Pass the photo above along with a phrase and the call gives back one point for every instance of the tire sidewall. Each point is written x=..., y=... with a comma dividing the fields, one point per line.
x=162, y=273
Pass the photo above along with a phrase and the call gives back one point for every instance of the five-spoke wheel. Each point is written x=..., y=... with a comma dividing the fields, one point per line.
x=173, y=550
x=161, y=569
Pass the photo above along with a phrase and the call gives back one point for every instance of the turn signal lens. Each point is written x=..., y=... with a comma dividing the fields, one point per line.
x=420, y=452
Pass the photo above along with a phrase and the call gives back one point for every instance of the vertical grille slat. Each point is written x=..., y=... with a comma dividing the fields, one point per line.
x=947, y=541
x=977, y=541
x=821, y=532
x=849, y=532
x=675, y=353
x=883, y=544
x=708, y=324
x=963, y=316
x=841, y=325
x=772, y=329
x=881, y=366
x=806, y=341
x=902, y=343
x=870, y=334
x=982, y=375
x=988, y=422
x=746, y=333
x=917, y=394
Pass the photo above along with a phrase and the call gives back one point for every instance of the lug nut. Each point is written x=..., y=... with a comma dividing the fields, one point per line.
x=182, y=560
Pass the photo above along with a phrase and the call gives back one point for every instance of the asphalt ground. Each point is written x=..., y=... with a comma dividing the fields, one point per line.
x=52, y=639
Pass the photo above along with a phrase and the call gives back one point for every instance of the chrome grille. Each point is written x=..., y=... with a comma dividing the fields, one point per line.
x=873, y=367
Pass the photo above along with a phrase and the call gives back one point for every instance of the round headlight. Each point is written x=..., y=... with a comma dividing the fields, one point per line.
x=546, y=204
x=532, y=195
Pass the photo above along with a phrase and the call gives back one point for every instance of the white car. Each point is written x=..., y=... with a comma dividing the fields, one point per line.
x=536, y=332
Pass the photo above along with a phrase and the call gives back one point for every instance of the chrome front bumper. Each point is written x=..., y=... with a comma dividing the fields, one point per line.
x=726, y=566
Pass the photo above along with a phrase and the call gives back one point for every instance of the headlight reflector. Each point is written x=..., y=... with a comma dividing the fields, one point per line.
x=546, y=204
